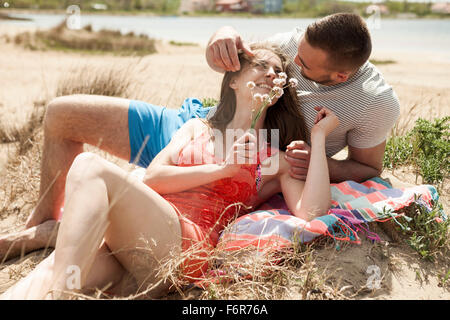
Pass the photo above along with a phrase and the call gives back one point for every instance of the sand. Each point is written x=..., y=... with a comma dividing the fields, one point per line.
x=174, y=73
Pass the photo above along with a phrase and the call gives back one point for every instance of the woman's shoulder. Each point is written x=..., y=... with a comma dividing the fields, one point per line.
x=188, y=132
x=194, y=126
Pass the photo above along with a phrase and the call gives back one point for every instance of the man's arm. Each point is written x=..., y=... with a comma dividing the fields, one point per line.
x=360, y=165
x=374, y=125
x=222, y=50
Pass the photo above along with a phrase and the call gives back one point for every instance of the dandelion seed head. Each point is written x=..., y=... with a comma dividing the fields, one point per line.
x=277, y=81
x=258, y=97
x=266, y=98
x=293, y=82
x=278, y=92
x=251, y=85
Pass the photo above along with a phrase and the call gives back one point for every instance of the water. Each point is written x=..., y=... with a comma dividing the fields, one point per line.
x=395, y=35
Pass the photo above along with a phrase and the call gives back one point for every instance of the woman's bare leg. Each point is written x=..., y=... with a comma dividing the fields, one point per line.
x=70, y=122
x=106, y=273
x=101, y=197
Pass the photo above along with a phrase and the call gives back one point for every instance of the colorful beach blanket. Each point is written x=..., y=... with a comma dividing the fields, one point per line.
x=273, y=227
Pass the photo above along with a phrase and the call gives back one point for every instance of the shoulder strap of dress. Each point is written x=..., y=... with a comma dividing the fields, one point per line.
x=266, y=152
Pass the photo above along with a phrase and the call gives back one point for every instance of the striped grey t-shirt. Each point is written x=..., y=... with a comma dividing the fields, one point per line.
x=367, y=107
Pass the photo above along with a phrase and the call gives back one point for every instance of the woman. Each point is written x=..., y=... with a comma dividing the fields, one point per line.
x=115, y=224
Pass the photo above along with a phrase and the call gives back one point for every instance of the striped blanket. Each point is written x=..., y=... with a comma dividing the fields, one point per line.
x=273, y=227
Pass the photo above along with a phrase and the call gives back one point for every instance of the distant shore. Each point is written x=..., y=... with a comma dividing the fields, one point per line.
x=5, y=14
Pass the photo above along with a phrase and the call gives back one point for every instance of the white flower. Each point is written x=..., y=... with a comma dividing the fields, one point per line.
x=258, y=97
x=278, y=92
x=282, y=75
x=266, y=98
x=251, y=85
x=293, y=82
x=277, y=81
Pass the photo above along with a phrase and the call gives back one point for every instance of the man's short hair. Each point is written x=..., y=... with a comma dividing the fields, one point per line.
x=345, y=37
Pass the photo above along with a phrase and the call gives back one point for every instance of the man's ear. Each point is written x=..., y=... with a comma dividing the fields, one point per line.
x=342, y=76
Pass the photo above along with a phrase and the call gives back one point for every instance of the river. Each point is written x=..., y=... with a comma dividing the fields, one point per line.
x=402, y=35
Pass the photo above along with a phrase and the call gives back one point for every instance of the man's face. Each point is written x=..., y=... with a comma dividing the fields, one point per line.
x=313, y=62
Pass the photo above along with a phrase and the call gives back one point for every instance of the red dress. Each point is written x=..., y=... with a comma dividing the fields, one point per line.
x=204, y=211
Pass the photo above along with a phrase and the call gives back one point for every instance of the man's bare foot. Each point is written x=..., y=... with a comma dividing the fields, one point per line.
x=21, y=242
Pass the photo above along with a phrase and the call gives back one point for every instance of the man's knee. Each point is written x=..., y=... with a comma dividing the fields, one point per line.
x=60, y=115
x=55, y=114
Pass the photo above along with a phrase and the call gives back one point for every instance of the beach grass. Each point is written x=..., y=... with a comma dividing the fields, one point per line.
x=86, y=41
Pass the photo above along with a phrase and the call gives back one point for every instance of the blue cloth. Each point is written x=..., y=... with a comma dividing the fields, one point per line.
x=157, y=124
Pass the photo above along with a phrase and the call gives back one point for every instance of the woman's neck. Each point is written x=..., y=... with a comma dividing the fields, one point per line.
x=244, y=116
x=240, y=124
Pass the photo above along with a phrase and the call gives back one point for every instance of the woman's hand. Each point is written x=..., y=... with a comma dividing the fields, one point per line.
x=243, y=152
x=326, y=121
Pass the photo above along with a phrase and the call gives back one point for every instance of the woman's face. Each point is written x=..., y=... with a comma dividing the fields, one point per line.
x=262, y=70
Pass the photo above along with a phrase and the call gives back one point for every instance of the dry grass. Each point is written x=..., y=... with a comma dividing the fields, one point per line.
x=244, y=274
x=88, y=79
x=86, y=40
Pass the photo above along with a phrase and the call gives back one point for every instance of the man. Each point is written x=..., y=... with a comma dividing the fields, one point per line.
x=331, y=66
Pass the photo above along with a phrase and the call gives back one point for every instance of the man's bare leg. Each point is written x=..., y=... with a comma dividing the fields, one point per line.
x=70, y=122
x=37, y=237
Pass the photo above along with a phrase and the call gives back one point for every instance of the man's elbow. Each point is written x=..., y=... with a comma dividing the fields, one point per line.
x=374, y=172
x=378, y=171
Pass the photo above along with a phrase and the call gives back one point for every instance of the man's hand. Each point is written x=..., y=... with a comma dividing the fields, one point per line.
x=222, y=50
x=297, y=155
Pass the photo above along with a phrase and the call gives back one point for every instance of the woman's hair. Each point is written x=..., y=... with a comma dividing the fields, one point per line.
x=283, y=115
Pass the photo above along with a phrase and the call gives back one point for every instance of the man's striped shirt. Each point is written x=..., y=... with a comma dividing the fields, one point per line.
x=367, y=107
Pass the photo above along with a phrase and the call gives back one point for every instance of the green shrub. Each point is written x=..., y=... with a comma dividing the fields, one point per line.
x=431, y=147
x=426, y=147
x=427, y=232
x=209, y=102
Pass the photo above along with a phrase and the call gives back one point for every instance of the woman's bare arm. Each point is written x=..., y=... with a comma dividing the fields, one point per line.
x=164, y=176
x=312, y=198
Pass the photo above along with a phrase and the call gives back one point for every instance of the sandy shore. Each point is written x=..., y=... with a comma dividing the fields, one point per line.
x=174, y=73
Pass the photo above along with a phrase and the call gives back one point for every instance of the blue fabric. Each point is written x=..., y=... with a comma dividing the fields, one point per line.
x=157, y=124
